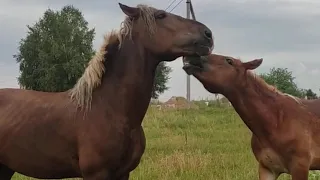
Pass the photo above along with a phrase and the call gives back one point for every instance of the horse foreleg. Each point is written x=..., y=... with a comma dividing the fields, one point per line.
x=103, y=176
x=299, y=167
x=5, y=172
x=300, y=173
x=125, y=177
x=137, y=149
x=99, y=175
x=266, y=174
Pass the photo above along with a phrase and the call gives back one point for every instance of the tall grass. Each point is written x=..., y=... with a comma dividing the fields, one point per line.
x=210, y=143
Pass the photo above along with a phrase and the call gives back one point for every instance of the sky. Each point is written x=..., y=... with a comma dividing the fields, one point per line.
x=285, y=33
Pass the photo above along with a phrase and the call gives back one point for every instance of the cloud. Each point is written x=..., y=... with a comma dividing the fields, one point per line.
x=286, y=33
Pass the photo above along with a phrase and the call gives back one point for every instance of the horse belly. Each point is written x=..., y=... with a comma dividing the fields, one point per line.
x=37, y=155
x=38, y=164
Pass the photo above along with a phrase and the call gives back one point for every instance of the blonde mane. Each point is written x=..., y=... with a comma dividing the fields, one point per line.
x=91, y=78
x=259, y=81
x=82, y=92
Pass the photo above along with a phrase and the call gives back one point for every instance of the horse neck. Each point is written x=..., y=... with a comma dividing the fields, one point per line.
x=257, y=107
x=127, y=84
x=312, y=105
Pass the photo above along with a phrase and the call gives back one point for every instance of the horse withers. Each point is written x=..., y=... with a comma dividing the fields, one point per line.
x=285, y=128
x=94, y=130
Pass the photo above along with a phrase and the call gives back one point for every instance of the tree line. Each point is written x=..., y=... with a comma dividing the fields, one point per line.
x=283, y=80
x=57, y=48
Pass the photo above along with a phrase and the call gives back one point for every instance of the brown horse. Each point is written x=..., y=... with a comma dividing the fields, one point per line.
x=285, y=129
x=94, y=129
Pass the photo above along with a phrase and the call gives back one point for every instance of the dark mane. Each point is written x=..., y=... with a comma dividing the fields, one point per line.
x=112, y=48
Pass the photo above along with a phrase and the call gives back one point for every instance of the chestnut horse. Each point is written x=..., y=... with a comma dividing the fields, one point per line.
x=94, y=130
x=285, y=129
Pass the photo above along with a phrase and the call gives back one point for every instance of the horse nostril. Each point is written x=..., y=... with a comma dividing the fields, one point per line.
x=208, y=33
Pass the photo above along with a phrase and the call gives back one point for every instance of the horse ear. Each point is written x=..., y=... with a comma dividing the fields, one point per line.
x=251, y=65
x=130, y=11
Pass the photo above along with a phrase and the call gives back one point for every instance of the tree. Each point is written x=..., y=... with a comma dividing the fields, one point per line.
x=55, y=51
x=161, y=79
x=283, y=80
x=310, y=94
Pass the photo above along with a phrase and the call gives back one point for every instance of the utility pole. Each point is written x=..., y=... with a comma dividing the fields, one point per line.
x=188, y=2
x=190, y=11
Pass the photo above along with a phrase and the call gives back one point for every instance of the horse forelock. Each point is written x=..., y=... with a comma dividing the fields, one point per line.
x=146, y=15
x=82, y=91
x=261, y=84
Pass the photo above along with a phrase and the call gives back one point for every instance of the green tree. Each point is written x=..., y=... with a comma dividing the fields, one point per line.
x=283, y=80
x=55, y=51
x=161, y=79
x=310, y=94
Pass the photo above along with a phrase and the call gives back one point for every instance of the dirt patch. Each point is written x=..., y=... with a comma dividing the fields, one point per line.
x=179, y=103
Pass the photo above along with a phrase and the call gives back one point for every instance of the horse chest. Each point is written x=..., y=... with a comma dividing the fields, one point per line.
x=136, y=150
x=126, y=149
x=272, y=160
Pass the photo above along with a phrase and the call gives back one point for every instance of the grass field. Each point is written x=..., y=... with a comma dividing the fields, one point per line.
x=206, y=144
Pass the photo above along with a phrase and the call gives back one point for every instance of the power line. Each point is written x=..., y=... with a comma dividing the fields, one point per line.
x=170, y=5
x=176, y=6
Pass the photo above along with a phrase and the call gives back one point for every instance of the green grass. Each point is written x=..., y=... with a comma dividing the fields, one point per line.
x=210, y=143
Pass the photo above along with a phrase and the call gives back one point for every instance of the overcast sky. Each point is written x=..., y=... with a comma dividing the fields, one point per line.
x=286, y=33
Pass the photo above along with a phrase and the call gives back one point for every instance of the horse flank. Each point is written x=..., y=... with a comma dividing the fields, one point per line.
x=81, y=93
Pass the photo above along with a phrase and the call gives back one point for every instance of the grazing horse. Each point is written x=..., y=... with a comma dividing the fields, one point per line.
x=285, y=128
x=94, y=130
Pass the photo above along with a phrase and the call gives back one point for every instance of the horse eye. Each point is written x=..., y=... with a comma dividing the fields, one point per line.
x=229, y=61
x=161, y=15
